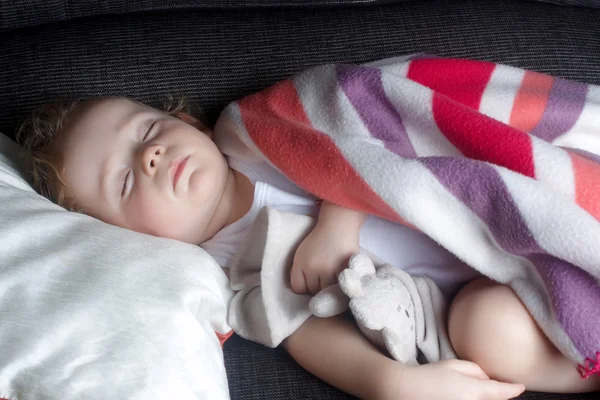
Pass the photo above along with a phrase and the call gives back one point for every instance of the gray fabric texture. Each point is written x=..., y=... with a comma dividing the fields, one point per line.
x=17, y=14
x=578, y=3
x=218, y=56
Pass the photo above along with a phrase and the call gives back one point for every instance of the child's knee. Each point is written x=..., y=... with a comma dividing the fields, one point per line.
x=490, y=326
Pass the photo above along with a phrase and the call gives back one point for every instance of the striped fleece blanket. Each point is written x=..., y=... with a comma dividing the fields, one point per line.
x=497, y=164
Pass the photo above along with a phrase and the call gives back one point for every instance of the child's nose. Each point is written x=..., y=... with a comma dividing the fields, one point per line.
x=151, y=157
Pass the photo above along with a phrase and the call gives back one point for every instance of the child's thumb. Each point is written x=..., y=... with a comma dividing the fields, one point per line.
x=298, y=281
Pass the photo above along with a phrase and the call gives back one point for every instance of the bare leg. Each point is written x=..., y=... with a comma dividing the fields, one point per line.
x=490, y=326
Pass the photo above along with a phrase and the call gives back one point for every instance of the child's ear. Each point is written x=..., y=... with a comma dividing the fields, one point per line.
x=195, y=122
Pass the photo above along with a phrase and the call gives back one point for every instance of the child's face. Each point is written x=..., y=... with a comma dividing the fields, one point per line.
x=140, y=169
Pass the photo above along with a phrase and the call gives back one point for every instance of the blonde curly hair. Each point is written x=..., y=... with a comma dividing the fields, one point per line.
x=41, y=135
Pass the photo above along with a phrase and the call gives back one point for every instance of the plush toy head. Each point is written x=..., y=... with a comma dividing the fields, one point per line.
x=399, y=313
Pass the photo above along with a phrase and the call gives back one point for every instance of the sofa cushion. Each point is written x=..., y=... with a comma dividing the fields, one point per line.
x=16, y=14
x=91, y=311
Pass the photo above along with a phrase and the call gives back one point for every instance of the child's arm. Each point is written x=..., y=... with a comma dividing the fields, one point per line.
x=334, y=350
x=325, y=252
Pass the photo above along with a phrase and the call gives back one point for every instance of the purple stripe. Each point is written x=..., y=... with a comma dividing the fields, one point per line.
x=364, y=89
x=573, y=291
x=575, y=297
x=480, y=188
x=565, y=104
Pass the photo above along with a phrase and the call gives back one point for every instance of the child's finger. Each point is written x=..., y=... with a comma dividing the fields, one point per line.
x=312, y=283
x=297, y=281
x=494, y=390
x=327, y=280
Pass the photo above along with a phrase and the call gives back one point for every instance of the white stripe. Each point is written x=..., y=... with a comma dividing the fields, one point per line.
x=585, y=134
x=328, y=108
x=553, y=167
x=413, y=102
x=499, y=95
x=558, y=225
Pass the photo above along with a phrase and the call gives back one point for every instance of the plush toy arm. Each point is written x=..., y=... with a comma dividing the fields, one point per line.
x=329, y=302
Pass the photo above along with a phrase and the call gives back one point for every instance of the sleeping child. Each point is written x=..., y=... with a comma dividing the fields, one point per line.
x=165, y=173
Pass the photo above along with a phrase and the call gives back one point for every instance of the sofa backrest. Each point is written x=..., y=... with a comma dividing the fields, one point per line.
x=17, y=14
x=215, y=56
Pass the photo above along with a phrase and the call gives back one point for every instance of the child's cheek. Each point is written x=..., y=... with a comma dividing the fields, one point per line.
x=152, y=217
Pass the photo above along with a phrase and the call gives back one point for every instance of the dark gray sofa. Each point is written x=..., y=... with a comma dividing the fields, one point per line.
x=214, y=51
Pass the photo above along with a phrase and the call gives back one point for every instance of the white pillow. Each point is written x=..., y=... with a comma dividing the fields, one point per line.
x=91, y=311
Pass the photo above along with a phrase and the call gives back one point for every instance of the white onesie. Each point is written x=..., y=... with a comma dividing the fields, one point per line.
x=398, y=245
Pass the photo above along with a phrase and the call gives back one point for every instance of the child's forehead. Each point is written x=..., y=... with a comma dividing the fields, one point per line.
x=114, y=103
x=112, y=110
x=102, y=117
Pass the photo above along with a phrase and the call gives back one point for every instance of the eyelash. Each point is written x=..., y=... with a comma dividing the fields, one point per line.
x=124, y=188
x=125, y=183
x=148, y=132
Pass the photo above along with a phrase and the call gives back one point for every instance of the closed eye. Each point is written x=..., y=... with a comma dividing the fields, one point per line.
x=125, y=181
x=148, y=131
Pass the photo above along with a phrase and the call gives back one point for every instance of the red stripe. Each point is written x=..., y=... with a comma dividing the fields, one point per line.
x=483, y=138
x=275, y=120
x=461, y=80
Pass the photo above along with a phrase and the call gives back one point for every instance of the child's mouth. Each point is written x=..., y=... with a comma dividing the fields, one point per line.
x=177, y=168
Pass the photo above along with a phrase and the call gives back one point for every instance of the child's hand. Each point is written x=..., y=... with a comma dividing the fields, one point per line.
x=452, y=380
x=321, y=256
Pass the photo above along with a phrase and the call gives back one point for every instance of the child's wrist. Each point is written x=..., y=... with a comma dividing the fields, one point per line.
x=340, y=218
x=391, y=381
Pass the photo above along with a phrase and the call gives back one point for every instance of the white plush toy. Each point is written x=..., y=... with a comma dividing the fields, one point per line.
x=399, y=313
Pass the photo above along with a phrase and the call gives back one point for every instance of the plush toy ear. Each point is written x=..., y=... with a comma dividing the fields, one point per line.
x=349, y=281
x=361, y=264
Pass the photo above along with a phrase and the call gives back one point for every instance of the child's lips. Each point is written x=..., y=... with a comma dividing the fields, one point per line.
x=177, y=168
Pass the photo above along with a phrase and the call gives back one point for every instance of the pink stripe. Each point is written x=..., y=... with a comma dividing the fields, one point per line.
x=587, y=184
x=531, y=101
